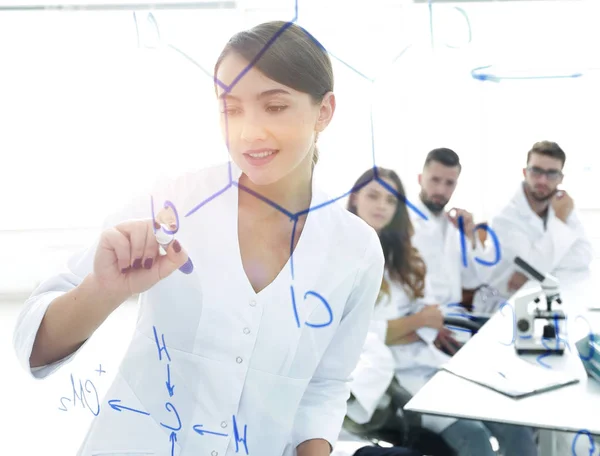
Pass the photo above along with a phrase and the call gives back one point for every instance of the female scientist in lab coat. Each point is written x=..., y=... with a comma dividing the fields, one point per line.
x=407, y=329
x=251, y=352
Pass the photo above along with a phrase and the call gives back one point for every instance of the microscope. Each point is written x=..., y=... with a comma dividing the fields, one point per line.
x=528, y=310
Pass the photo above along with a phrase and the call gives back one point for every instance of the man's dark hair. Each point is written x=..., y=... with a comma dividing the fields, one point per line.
x=549, y=149
x=445, y=156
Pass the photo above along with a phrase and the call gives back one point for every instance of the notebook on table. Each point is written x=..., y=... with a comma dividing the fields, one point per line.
x=511, y=376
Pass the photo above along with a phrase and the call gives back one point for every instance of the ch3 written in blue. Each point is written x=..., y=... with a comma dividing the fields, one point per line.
x=86, y=393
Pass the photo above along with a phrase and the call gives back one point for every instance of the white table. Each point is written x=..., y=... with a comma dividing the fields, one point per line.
x=569, y=409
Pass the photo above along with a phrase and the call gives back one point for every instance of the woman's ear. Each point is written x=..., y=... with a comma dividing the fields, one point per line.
x=326, y=111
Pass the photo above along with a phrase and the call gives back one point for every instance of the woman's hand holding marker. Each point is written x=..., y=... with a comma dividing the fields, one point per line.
x=128, y=261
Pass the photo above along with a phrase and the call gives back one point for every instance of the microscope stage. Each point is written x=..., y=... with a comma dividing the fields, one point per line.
x=535, y=346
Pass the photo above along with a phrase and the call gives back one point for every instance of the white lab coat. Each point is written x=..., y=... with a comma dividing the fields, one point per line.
x=559, y=248
x=439, y=243
x=412, y=364
x=372, y=375
x=233, y=354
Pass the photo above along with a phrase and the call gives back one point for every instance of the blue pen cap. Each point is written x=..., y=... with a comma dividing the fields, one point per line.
x=188, y=267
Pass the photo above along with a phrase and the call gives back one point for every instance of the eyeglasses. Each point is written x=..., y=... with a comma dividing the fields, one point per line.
x=551, y=174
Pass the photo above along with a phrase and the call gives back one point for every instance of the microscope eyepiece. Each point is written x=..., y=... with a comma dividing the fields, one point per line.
x=530, y=269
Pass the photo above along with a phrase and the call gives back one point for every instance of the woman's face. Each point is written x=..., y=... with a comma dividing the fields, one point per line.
x=375, y=204
x=270, y=128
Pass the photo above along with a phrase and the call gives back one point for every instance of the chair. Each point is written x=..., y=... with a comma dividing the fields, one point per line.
x=393, y=425
x=378, y=451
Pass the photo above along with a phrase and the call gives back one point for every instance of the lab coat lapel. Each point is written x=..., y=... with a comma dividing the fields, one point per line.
x=438, y=247
x=523, y=208
x=526, y=217
x=534, y=224
x=453, y=257
x=450, y=241
x=432, y=225
x=425, y=228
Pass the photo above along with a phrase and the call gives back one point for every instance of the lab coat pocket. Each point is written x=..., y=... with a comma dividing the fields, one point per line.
x=280, y=396
x=308, y=351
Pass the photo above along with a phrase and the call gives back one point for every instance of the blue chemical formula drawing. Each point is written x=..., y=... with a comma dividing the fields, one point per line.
x=165, y=233
x=590, y=444
x=86, y=394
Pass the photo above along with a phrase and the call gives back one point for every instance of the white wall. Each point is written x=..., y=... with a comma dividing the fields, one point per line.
x=88, y=118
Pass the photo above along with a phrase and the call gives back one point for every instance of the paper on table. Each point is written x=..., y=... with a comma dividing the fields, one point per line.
x=511, y=376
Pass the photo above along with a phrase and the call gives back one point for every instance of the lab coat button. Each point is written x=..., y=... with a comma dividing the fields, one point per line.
x=214, y=453
x=239, y=360
x=223, y=424
x=246, y=330
x=253, y=303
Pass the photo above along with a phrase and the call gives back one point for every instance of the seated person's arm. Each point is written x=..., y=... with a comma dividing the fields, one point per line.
x=581, y=253
x=544, y=254
x=403, y=330
x=409, y=338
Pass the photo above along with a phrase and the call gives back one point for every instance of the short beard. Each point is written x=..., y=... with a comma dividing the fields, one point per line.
x=539, y=199
x=435, y=208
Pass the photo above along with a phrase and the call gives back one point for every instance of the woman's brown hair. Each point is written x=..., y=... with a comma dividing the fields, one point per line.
x=402, y=261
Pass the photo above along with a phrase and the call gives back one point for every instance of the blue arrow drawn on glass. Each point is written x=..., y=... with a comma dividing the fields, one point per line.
x=173, y=439
x=170, y=387
x=202, y=432
x=120, y=408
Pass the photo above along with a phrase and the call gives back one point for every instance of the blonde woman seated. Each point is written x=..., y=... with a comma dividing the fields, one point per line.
x=408, y=330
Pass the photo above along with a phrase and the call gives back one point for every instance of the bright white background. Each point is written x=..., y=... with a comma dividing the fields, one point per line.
x=89, y=116
x=91, y=112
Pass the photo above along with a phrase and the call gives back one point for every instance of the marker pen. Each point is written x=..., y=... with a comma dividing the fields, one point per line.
x=164, y=239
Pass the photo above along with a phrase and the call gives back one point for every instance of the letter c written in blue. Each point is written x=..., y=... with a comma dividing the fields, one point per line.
x=463, y=243
x=592, y=445
x=171, y=408
x=320, y=298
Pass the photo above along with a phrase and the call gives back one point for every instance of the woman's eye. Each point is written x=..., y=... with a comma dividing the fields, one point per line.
x=276, y=108
x=230, y=111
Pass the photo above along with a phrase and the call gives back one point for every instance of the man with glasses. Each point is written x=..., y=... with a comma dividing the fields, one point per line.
x=539, y=224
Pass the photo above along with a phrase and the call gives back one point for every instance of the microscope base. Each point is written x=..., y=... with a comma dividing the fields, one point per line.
x=535, y=346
